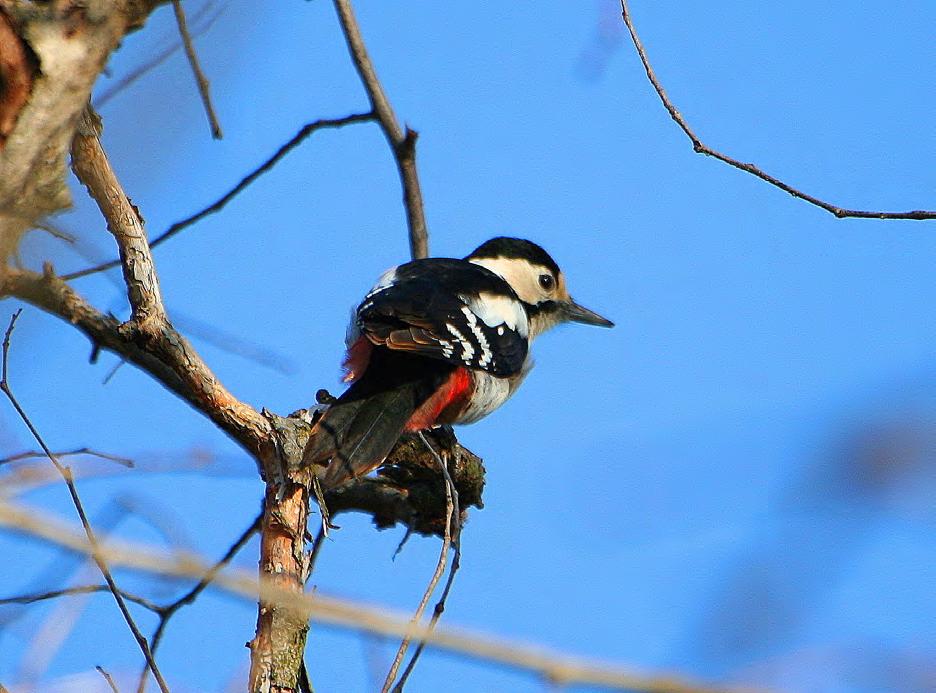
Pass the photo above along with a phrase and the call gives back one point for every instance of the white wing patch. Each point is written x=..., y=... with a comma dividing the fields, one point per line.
x=495, y=309
x=483, y=344
x=464, y=343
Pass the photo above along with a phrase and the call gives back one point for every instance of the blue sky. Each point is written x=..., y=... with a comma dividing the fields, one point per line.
x=735, y=483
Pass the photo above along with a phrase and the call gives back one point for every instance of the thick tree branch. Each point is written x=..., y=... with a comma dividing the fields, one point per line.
x=409, y=489
x=17, y=72
x=701, y=148
x=70, y=44
x=402, y=143
x=168, y=357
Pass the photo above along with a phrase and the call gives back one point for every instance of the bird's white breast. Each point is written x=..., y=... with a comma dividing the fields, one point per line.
x=490, y=392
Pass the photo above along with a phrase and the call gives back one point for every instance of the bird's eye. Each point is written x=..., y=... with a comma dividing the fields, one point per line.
x=546, y=282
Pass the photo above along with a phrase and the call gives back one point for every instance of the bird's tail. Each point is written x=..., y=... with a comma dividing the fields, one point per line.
x=359, y=430
x=357, y=433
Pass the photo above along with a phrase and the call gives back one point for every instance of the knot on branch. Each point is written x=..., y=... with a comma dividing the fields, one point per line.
x=407, y=146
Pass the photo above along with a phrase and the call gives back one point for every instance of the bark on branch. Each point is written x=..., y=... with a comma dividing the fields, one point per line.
x=65, y=46
x=70, y=45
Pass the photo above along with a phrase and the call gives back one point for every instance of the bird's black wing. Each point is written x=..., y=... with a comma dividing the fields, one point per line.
x=451, y=310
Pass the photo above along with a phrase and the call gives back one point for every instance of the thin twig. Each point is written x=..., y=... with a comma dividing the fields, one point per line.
x=54, y=631
x=305, y=684
x=30, y=454
x=231, y=343
x=79, y=589
x=456, y=564
x=402, y=143
x=56, y=232
x=200, y=78
x=66, y=473
x=701, y=148
x=304, y=132
x=168, y=611
x=316, y=549
x=201, y=27
x=550, y=665
x=107, y=677
x=439, y=569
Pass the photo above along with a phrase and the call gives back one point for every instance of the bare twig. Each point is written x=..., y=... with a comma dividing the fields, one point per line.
x=456, y=564
x=304, y=132
x=168, y=611
x=202, y=21
x=402, y=143
x=450, y=512
x=165, y=611
x=56, y=232
x=65, y=471
x=701, y=148
x=168, y=357
x=231, y=343
x=79, y=589
x=552, y=666
x=305, y=684
x=123, y=461
x=200, y=78
x=107, y=677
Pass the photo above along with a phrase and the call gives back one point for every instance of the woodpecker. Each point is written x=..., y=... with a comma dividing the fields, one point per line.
x=439, y=341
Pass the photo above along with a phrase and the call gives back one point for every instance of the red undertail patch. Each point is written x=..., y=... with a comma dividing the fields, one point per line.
x=452, y=396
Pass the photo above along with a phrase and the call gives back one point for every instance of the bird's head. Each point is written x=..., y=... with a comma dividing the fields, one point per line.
x=537, y=280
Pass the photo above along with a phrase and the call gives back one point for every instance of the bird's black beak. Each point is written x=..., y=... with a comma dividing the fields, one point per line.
x=573, y=312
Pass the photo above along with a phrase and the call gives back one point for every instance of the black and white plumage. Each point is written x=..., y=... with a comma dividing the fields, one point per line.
x=439, y=341
x=425, y=307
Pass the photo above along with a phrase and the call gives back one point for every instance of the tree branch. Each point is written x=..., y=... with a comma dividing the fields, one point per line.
x=124, y=221
x=169, y=610
x=70, y=45
x=452, y=512
x=402, y=144
x=555, y=667
x=701, y=148
x=304, y=132
x=456, y=563
x=205, y=16
x=93, y=544
x=200, y=79
x=34, y=597
x=168, y=357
